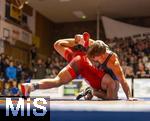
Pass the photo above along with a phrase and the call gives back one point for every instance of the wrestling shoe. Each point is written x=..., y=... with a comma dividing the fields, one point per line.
x=87, y=94
x=25, y=89
x=83, y=39
x=86, y=37
x=80, y=95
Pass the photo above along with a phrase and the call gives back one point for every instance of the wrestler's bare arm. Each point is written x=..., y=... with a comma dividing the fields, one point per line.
x=117, y=69
x=69, y=42
x=61, y=44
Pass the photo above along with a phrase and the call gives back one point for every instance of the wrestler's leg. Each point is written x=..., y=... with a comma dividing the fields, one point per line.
x=109, y=88
x=65, y=75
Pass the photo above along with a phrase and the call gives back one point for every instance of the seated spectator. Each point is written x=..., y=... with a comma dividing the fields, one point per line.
x=19, y=73
x=48, y=71
x=129, y=72
x=5, y=64
x=40, y=70
x=33, y=54
x=48, y=62
x=14, y=91
x=141, y=70
x=6, y=91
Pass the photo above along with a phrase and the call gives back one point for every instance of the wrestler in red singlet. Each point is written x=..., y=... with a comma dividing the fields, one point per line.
x=79, y=64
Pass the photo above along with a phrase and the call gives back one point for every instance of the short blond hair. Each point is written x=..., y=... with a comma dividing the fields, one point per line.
x=97, y=48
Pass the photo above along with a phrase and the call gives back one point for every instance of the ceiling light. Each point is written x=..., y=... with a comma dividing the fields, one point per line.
x=83, y=17
x=79, y=14
x=26, y=2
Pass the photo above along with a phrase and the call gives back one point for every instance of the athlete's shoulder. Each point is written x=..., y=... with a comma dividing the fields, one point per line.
x=101, y=41
x=114, y=55
x=113, y=59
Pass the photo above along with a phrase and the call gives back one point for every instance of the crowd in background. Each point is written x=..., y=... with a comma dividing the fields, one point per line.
x=133, y=55
x=12, y=73
x=48, y=68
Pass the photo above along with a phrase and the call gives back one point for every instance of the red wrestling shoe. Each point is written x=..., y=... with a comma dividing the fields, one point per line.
x=83, y=39
x=25, y=89
x=86, y=37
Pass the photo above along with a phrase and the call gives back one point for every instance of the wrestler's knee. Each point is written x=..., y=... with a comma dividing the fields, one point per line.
x=59, y=81
x=109, y=81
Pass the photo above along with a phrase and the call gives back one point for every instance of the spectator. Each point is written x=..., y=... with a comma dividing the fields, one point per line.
x=6, y=91
x=11, y=71
x=40, y=70
x=129, y=72
x=26, y=73
x=5, y=64
x=19, y=73
x=14, y=91
x=48, y=62
x=33, y=53
x=48, y=71
x=141, y=70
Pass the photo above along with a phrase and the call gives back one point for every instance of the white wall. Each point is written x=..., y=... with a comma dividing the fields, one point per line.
x=142, y=87
x=115, y=28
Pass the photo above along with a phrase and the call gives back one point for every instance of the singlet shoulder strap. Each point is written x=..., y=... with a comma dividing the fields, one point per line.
x=107, y=59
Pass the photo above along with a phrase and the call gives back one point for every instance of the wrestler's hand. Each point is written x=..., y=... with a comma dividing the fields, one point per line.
x=79, y=39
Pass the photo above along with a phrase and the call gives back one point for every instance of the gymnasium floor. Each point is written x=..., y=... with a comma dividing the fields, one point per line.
x=120, y=110
x=97, y=110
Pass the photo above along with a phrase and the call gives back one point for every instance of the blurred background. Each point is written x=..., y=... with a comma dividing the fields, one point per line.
x=28, y=29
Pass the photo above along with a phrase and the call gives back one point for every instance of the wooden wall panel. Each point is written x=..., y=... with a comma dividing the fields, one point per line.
x=49, y=32
x=18, y=53
x=44, y=29
x=64, y=30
